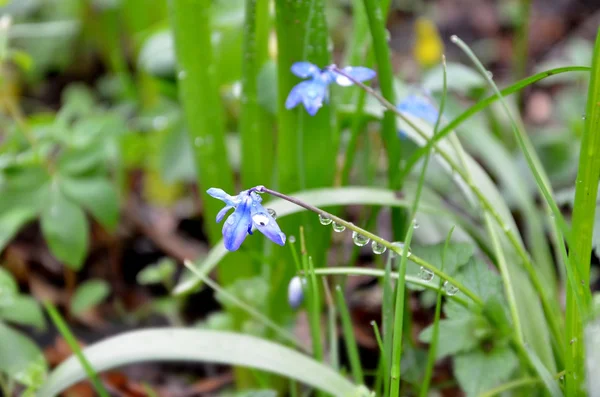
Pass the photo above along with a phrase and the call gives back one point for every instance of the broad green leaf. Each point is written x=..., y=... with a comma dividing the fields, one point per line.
x=78, y=161
x=479, y=371
x=185, y=345
x=65, y=229
x=457, y=255
x=8, y=288
x=97, y=195
x=481, y=279
x=20, y=358
x=88, y=295
x=455, y=335
x=24, y=310
x=12, y=221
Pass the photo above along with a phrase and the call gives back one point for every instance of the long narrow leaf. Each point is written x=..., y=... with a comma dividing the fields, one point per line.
x=198, y=346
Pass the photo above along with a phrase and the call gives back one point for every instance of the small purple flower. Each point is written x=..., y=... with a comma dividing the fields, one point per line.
x=248, y=212
x=314, y=91
x=296, y=291
x=418, y=106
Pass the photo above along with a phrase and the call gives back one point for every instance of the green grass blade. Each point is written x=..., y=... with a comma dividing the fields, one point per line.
x=549, y=382
x=385, y=75
x=88, y=369
x=313, y=296
x=283, y=333
x=387, y=321
x=255, y=128
x=484, y=103
x=349, y=339
x=431, y=355
x=199, y=95
x=399, y=319
x=584, y=209
x=199, y=346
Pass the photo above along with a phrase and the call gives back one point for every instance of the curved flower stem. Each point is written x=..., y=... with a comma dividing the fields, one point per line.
x=393, y=247
x=549, y=311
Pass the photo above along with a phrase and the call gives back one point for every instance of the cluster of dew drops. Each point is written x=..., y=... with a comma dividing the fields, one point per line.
x=378, y=248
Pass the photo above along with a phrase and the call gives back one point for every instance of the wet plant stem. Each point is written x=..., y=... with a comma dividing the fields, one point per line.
x=373, y=237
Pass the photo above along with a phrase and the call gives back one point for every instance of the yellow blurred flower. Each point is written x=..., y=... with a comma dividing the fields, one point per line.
x=428, y=47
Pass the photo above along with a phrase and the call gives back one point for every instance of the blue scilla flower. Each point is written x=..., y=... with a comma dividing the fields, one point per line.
x=248, y=212
x=314, y=91
x=296, y=291
x=418, y=106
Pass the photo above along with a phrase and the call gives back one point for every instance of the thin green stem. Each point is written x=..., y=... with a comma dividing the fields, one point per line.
x=361, y=271
x=377, y=336
x=284, y=334
x=393, y=247
x=314, y=299
x=66, y=333
x=349, y=339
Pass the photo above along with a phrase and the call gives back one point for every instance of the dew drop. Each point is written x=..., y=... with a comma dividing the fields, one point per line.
x=338, y=228
x=324, y=220
x=359, y=239
x=182, y=75
x=489, y=74
x=425, y=274
x=260, y=219
x=272, y=212
x=231, y=219
x=292, y=239
x=415, y=224
x=450, y=289
x=378, y=248
x=454, y=38
x=583, y=116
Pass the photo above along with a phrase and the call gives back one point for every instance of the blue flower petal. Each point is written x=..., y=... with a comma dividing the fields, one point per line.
x=305, y=69
x=358, y=73
x=223, y=212
x=311, y=93
x=221, y=195
x=266, y=224
x=296, y=291
x=235, y=228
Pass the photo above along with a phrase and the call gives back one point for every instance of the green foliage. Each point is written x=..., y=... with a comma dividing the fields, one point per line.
x=20, y=358
x=160, y=272
x=480, y=370
x=89, y=294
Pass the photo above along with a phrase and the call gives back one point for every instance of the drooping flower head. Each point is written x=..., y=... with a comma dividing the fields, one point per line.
x=314, y=91
x=296, y=291
x=418, y=106
x=248, y=212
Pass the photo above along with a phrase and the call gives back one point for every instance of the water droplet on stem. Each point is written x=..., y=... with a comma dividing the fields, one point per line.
x=359, y=239
x=378, y=248
x=450, y=289
x=338, y=228
x=272, y=212
x=425, y=274
x=324, y=220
